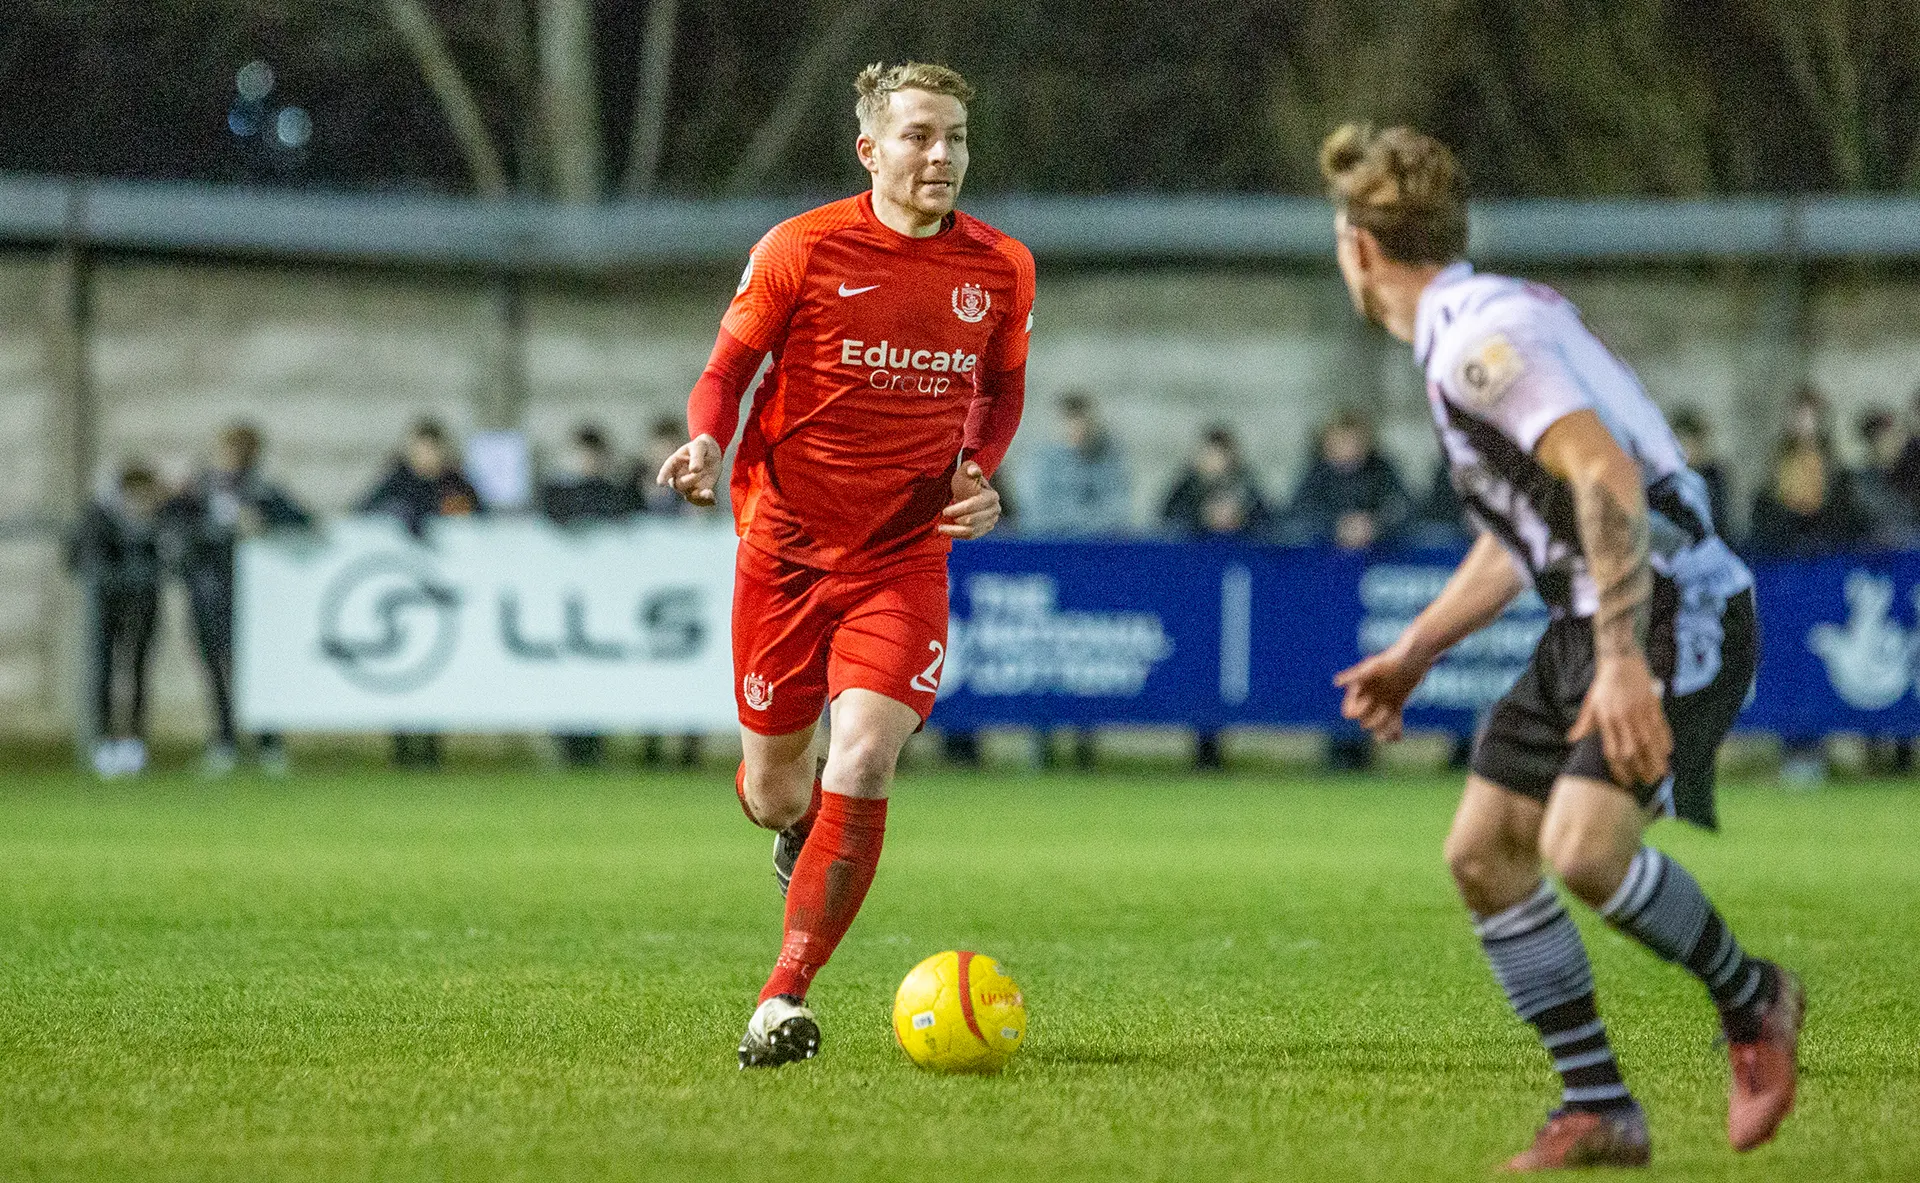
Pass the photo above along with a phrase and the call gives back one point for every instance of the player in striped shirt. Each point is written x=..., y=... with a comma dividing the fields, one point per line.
x=1578, y=488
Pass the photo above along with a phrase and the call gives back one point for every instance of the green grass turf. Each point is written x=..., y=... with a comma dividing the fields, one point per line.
x=521, y=977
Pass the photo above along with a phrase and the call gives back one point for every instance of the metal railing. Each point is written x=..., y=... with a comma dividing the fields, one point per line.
x=393, y=229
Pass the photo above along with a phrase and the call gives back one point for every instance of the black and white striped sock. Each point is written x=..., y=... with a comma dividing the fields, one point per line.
x=1660, y=905
x=1539, y=961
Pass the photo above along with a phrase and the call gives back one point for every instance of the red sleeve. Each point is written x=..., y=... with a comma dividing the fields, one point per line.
x=1002, y=391
x=1008, y=346
x=763, y=303
x=994, y=416
x=714, y=407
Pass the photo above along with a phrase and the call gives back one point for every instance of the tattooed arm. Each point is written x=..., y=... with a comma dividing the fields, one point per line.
x=1623, y=704
x=1612, y=511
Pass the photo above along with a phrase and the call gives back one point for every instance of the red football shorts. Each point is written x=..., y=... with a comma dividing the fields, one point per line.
x=801, y=636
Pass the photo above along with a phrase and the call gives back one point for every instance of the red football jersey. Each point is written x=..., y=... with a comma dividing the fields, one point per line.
x=879, y=344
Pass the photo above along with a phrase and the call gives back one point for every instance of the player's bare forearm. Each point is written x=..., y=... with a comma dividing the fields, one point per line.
x=1611, y=510
x=1623, y=704
x=1613, y=533
x=1481, y=587
x=1378, y=687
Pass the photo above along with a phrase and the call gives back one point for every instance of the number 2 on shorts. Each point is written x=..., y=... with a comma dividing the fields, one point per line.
x=928, y=680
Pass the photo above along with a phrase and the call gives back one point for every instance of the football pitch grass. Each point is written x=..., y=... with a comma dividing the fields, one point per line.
x=526, y=977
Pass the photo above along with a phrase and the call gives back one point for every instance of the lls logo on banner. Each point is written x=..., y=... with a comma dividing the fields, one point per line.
x=1871, y=659
x=389, y=623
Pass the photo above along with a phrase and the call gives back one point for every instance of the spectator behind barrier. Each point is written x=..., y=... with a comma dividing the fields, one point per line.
x=1884, y=440
x=646, y=495
x=1077, y=485
x=585, y=493
x=1350, y=496
x=1890, y=515
x=425, y=482
x=1438, y=520
x=1805, y=508
x=1696, y=444
x=1216, y=494
x=204, y=523
x=1013, y=504
x=1904, y=476
x=1807, y=505
x=116, y=554
x=586, y=490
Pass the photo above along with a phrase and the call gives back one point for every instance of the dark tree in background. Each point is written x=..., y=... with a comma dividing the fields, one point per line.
x=585, y=100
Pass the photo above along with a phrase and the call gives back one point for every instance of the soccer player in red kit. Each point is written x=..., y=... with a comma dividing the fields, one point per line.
x=898, y=328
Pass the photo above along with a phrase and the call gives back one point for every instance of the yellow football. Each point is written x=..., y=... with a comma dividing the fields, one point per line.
x=959, y=1012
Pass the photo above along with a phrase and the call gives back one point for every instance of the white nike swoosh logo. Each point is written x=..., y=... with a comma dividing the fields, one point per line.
x=847, y=291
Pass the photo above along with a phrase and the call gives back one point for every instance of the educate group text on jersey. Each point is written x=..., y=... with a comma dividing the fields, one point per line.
x=885, y=360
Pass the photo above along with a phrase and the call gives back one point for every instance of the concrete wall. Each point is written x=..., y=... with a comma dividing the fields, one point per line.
x=334, y=364
x=33, y=619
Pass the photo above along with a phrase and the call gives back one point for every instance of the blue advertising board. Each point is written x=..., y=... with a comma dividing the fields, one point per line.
x=1219, y=633
x=1206, y=634
x=1840, y=648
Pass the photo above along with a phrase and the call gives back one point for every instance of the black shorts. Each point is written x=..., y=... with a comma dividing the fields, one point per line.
x=1706, y=662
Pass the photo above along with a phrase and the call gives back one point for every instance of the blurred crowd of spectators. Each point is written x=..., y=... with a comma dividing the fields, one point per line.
x=131, y=539
x=1351, y=494
x=1078, y=482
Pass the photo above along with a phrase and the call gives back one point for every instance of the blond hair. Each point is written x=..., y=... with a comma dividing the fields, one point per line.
x=878, y=83
x=1403, y=187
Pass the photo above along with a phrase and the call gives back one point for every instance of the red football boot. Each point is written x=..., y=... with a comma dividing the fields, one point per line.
x=1574, y=1138
x=1766, y=1071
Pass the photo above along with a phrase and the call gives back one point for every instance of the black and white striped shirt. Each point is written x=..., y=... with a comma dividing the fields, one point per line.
x=1505, y=359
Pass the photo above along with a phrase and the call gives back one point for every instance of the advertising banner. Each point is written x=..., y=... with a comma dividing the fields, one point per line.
x=1840, y=646
x=1208, y=634
x=1217, y=634
x=515, y=625
x=508, y=625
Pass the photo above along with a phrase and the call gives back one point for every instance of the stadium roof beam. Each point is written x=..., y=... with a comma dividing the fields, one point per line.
x=413, y=230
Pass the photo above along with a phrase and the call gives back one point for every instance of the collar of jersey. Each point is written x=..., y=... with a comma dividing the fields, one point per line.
x=905, y=242
x=1428, y=307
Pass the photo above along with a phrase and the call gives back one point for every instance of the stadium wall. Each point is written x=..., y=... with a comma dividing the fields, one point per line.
x=334, y=362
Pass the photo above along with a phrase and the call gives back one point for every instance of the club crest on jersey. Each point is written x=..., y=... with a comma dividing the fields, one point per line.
x=970, y=303
x=757, y=691
x=746, y=277
x=1490, y=371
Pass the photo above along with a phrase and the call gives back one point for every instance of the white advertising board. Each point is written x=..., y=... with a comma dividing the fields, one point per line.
x=487, y=625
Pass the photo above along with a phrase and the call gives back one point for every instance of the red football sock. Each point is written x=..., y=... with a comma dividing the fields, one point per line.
x=829, y=882
x=812, y=815
x=804, y=825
